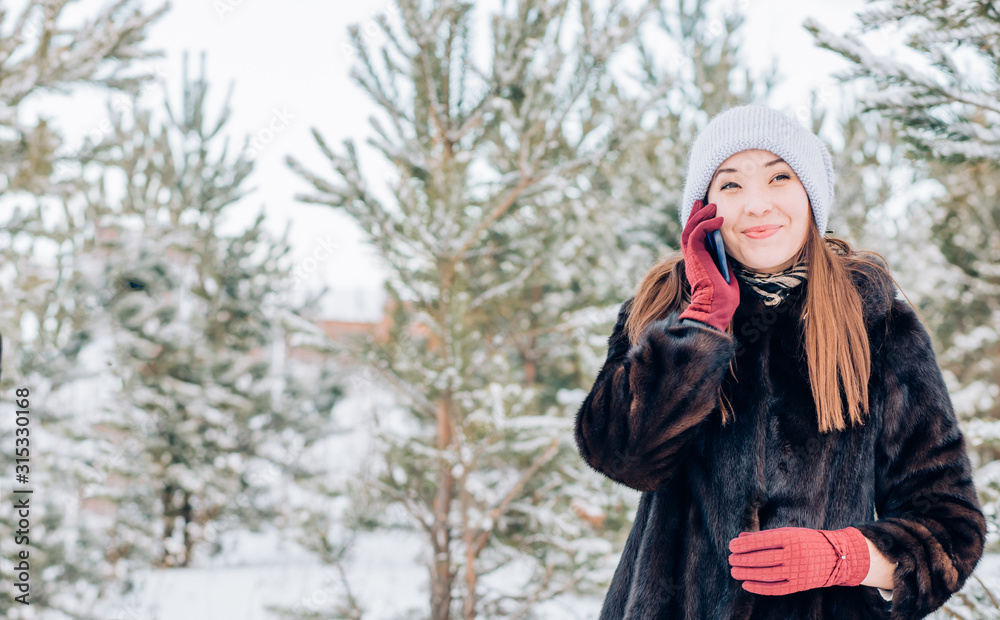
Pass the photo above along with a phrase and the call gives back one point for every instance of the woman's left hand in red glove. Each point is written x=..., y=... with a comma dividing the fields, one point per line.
x=792, y=559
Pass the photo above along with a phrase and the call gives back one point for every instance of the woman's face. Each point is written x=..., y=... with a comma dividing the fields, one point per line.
x=765, y=210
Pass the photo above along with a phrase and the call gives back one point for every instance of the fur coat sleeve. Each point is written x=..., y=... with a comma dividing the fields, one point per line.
x=647, y=402
x=929, y=519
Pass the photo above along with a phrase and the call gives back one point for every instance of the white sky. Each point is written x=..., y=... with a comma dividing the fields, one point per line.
x=289, y=57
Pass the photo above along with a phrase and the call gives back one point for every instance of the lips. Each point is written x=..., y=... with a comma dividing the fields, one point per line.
x=761, y=232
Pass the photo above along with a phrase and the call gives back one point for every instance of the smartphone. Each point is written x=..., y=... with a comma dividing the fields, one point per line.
x=719, y=253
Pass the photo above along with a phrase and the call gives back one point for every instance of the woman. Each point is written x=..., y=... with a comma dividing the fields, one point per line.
x=790, y=429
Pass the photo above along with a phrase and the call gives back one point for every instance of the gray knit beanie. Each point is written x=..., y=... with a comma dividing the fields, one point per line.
x=759, y=127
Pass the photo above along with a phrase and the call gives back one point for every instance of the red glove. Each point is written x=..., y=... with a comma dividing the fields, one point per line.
x=713, y=300
x=792, y=559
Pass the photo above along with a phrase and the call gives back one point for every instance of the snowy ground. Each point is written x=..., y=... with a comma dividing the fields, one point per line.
x=386, y=583
x=386, y=578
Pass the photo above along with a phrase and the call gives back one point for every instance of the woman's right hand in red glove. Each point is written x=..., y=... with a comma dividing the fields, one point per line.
x=713, y=300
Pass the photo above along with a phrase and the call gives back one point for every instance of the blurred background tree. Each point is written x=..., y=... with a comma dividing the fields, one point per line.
x=159, y=423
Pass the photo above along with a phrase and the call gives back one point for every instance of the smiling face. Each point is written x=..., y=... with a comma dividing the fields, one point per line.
x=765, y=210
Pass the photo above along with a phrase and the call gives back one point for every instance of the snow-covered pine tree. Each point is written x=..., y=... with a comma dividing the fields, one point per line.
x=43, y=50
x=530, y=196
x=945, y=104
x=484, y=464
x=165, y=422
x=870, y=160
x=216, y=430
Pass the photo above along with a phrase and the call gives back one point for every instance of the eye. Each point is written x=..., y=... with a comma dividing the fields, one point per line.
x=780, y=174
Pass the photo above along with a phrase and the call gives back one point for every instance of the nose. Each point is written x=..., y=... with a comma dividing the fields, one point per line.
x=756, y=201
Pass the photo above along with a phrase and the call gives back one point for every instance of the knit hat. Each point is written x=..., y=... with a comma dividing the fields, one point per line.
x=759, y=127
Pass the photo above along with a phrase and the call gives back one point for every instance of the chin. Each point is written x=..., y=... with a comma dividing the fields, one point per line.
x=765, y=265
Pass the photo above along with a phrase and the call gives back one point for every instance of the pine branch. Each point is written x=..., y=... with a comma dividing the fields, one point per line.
x=484, y=530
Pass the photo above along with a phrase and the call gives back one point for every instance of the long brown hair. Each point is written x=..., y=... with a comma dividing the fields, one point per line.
x=836, y=340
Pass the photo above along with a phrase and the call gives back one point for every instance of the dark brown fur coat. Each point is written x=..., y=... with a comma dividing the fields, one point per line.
x=652, y=422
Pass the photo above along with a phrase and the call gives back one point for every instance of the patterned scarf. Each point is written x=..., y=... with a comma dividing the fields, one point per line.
x=772, y=288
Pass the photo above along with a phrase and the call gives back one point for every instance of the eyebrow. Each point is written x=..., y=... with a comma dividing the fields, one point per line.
x=720, y=171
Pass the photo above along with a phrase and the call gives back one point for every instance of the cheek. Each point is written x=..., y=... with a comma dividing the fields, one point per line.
x=804, y=220
x=795, y=205
x=804, y=228
x=728, y=223
x=798, y=203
